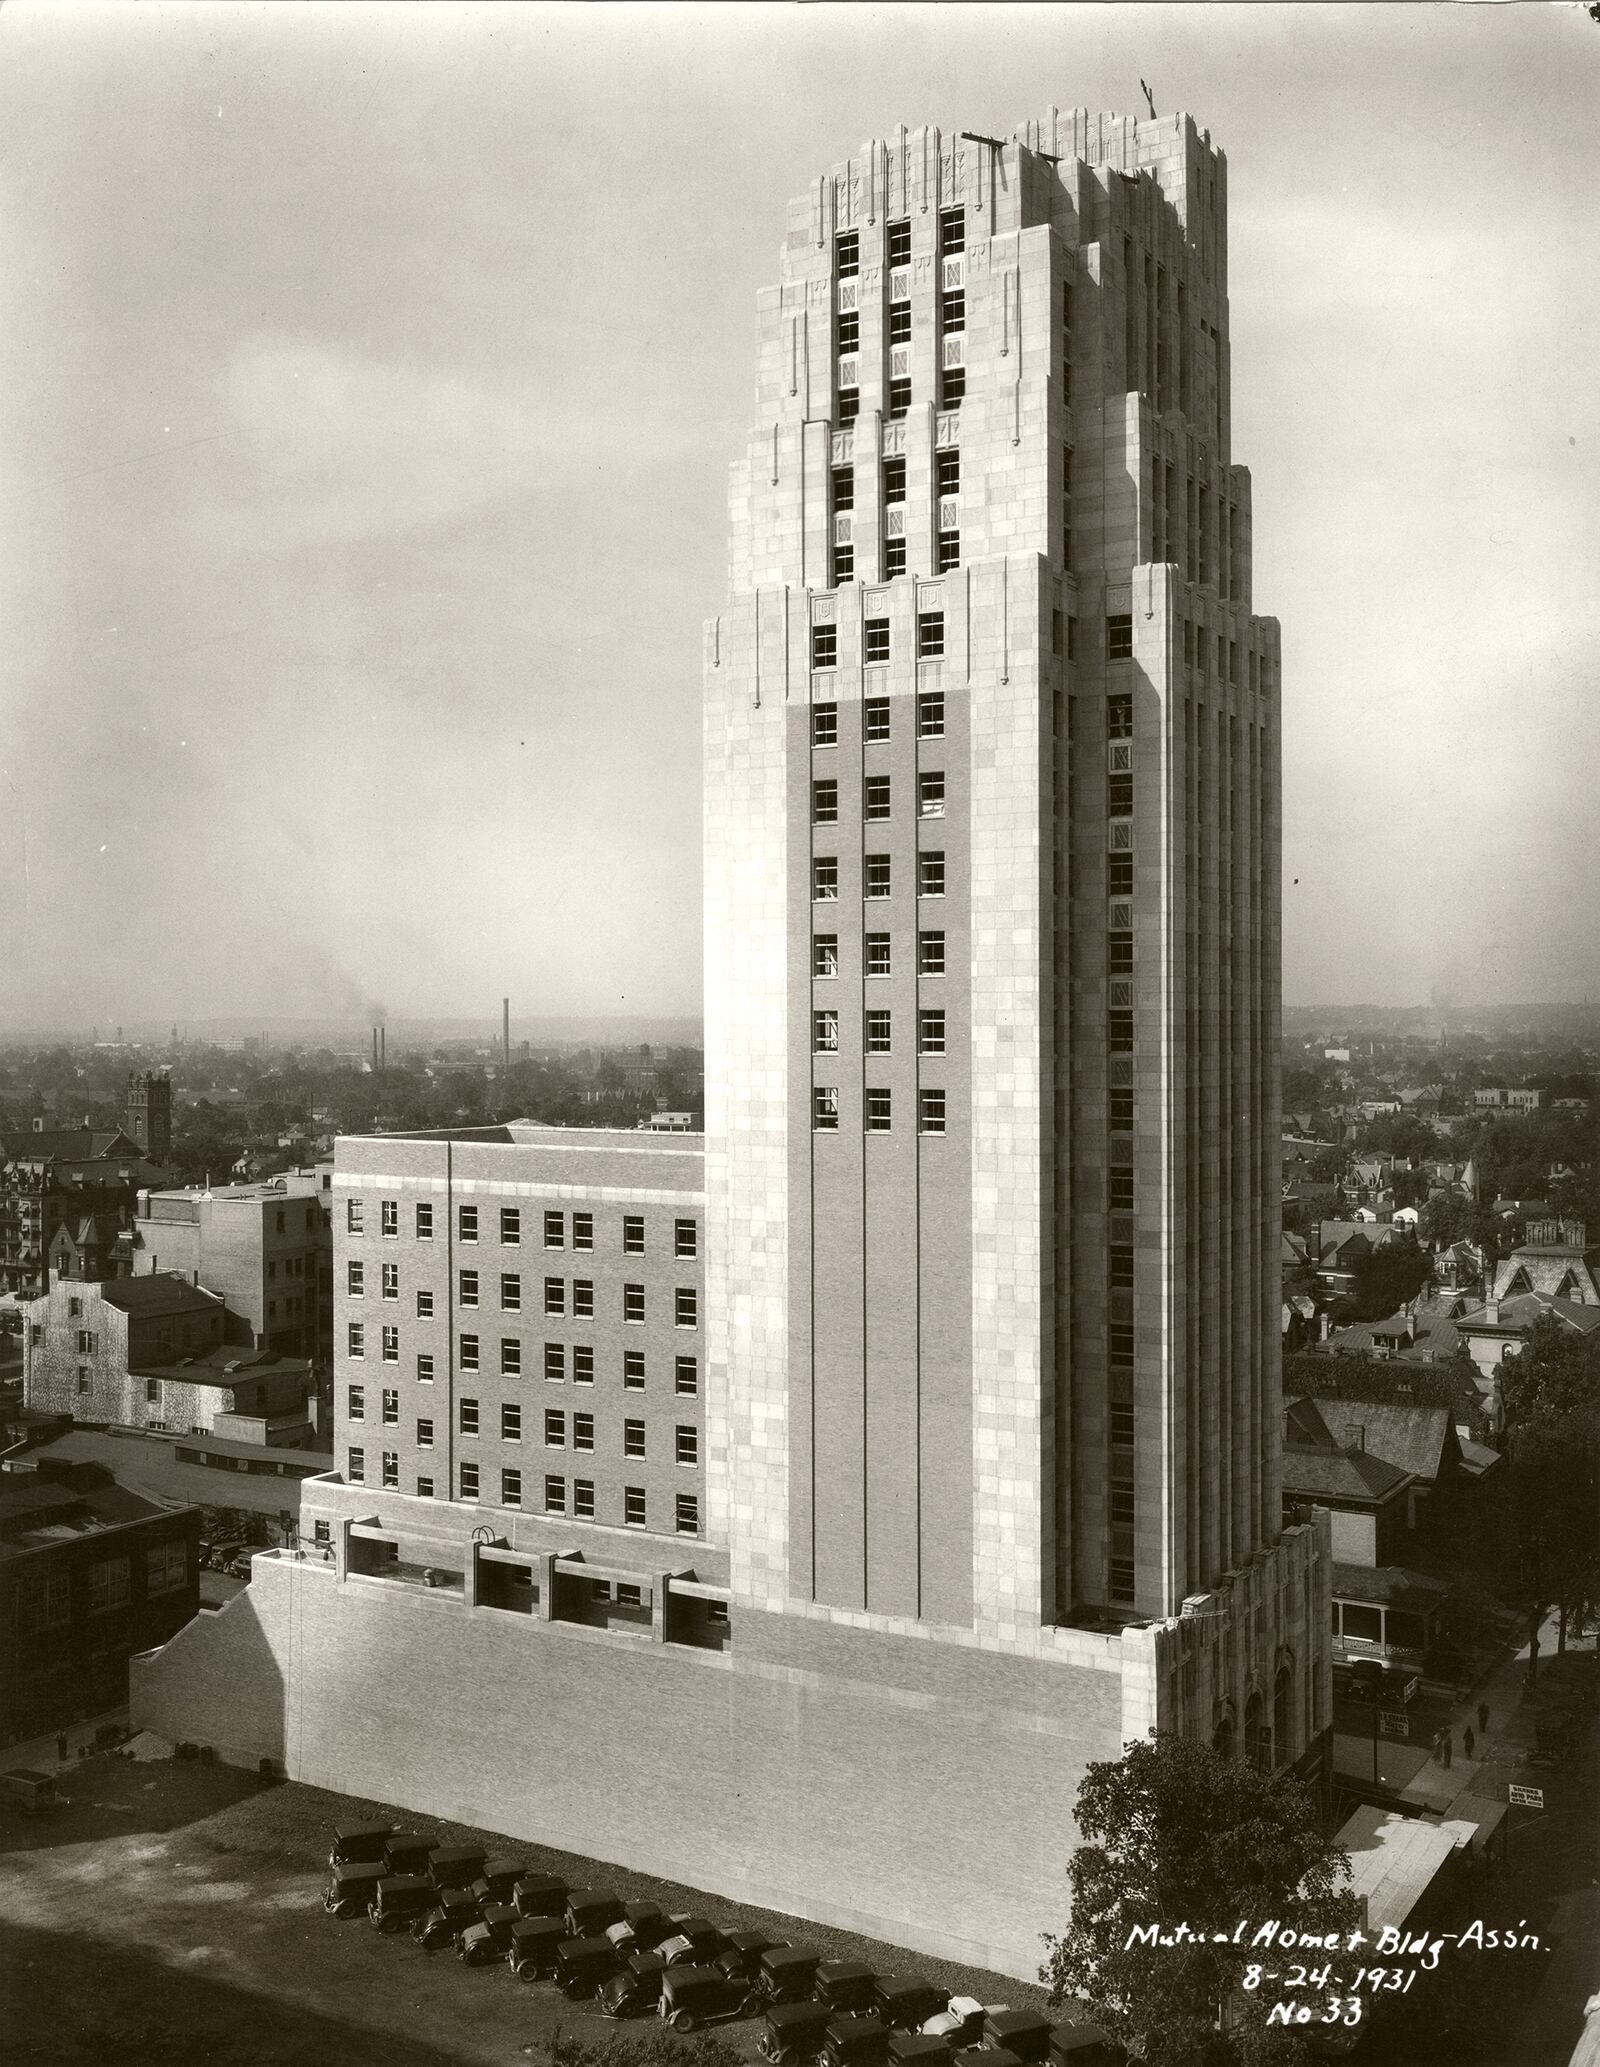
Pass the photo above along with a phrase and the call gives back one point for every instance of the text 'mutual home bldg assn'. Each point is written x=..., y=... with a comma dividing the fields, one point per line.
x=795, y=1511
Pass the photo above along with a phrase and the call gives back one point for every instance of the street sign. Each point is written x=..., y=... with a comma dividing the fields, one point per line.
x=1527, y=1797
x=1411, y=1689
x=1395, y=1723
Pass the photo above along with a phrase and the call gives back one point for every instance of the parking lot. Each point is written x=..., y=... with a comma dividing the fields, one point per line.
x=173, y=1912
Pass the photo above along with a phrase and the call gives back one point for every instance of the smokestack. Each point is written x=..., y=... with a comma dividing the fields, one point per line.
x=374, y=1047
x=383, y=1047
x=505, y=1029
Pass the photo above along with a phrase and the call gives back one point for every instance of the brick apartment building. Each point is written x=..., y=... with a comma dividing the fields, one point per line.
x=986, y=1458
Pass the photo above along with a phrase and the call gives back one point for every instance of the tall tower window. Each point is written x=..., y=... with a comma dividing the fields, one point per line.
x=847, y=254
x=930, y=714
x=824, y=732
x=875, y=718
x=824, y=645
x=880, y=1106
x=877, y=640
x=952, y=231
x=1119, y=638
x=825, y=1108
x=844, y=502
x=898, y=244
x=894, y=515
x=930, y=635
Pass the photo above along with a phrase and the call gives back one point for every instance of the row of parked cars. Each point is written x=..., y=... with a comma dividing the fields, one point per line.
x=635, y=1960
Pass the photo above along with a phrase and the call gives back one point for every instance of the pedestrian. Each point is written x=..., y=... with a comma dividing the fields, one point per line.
x=1449, y=1747
x=1483, y=1718
x=1467, y=1740
x=1438, y=1746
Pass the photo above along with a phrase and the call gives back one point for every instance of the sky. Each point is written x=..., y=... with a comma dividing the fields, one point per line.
x=369, y=377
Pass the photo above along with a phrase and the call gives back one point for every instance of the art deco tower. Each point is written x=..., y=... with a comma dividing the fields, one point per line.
x=992, y=908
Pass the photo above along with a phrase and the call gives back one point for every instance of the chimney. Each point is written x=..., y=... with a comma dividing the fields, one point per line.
x=505, y=1029
x=383, y=1047
x=1355, y=1436
x=374, y=1047
x=1491, y=1312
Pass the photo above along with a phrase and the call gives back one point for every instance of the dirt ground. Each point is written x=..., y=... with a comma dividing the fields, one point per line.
x=171, y=1917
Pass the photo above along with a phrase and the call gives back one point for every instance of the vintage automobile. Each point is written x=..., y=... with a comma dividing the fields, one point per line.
x=1077, y=2043
x=497, y=1882
x=453, y=1910
x=915, y=2049
x=787, y=1973
x=855, y=2041
x=351, y=1888
x=582, y=1965
x=1023, y=2032
x=692, y=1997
x=356, y=1842
x=792, y=2032
x=454, y=1866
x=590, y=1911
x=636, y=1989
x=489, y=1940
x=399, y=1900
x=640, y=1928
x=540, y=1894
x=406, y=1852
x=706, y=1941
x=962, y=2023
x=845, y=1984
x=906, y=2004
x=28, y=1792
x=984, y=2056
x=742, y=1960
x=534, y=1942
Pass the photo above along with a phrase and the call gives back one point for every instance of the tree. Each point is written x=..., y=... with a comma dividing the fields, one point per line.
x=1176, y=1835
x=1552, y=1497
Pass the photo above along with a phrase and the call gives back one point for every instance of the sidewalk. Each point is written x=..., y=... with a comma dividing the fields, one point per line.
x=40, y=1752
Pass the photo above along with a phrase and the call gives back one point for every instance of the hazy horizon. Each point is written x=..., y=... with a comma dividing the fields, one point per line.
x=372, y=378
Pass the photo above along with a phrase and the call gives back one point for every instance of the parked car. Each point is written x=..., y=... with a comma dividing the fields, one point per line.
x=590, y=1910
x=742, y=1960
x=984, y=2056
x=400, y=1899
x=787, y=1974
x=962, y=2023
x=641, y=1927
x=845, y=1984
x=855, y=2041
x=792, y=2032
x=454, y=1866
x=352, y=1888
x=704, y=1936
x=540, y=1894
x=636, y=1989
x=1080, y=2044
x=28, y=1792
x=1022, y=2032
x=406, y=1852
x=497, y=1882
x=353, y=1842
x=906, y=2004
x=582, y=1965
x=692, y=1997
x=915, y=2049
x=488, y=1940
x=534, y=1941
x=454, y=1909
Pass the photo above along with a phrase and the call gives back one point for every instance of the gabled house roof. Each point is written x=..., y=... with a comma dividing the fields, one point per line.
x=1414, y=1438
x=1516, y=1316
x=69, y=1145
x=1316, y=1461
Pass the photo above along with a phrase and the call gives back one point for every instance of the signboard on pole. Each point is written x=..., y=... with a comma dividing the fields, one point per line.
x=1527, y=1797
x=1411, y=1689
x=1394, y=1722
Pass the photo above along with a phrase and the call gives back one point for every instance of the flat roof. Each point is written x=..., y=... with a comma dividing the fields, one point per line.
x=1393, y=1861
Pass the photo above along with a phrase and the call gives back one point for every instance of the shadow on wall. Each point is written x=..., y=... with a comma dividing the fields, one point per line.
x=219, y=1681
x=142, y=2012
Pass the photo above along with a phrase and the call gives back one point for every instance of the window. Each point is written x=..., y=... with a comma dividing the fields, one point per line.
x=355, y=1280
x=555, y=1295
x=1119, y=795
x=824, y=645
x=583, y=1431
x=878, y=1033
x=633, y=1303
x=949, y=550
x=686, y=1445
x=825, y=803
x=583, y=1298
x=582, y=1498
x=899, y=243
x=899, y=403
x=633, y=1438
x=849, y=399
x=555, y=1494
x=555, y=1360
x=469, y=1417
x=356, y=1339
x=425, y=1435
x=952, y=231
x=633, y=1507
x=685, y=1238
x=952, y=386
x=74, y=1308
x=1119, y=1032
x=825, y=878
x=1119, y=638
x=582, y=1364
x=878, y=955
x=467, y=1223
x=930, y=635
x=879, y=1105
x=685, y=1307
x=510, y=1224
x=555, y=1429
x=633, y=1370
x=894, y=480
x=877, y=640
x=876, y=718
x=825, y=1108
x=847, y=253
x=391, y=1345
x=390, y=1407
x=825, y=955
x=879, y=876
x=555, y=1230
x=353, y=1216
x=355, y=1403
x=389, y=1210
x=45, y=1602
x=1122, y=1110
x=930, y=1112
x=469, y=1481
x=109, y=1585
x=844, y=478
x=1119, y=1186
x=1119, y=875
x=152, y=1392
x=511, y=1422
x=930, y=954
x=930, y=875
x=510, y=1291
x=468, y=1288
x=86, y=1342
x=166, y=1568
x=877, y=796
x=469, y=1352
x=356, y=1467
x=424, y=1370
x=424, y=1488
x=1119, y=717
x=688, y=1512
x=824, y=724
x=686, y=1377
x=1119, y=1267
x=391, y=1468
x=424, y=1306
x=510, y=1357
x=930, y=714
x=930, y=796
x=930, y=1032
x=583, y=1230
x=424, y=1223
